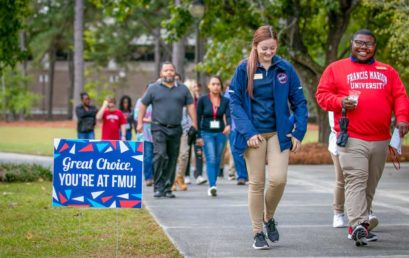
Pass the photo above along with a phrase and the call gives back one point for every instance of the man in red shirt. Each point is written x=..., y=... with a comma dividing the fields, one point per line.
x=113, y=121
x=369, y=91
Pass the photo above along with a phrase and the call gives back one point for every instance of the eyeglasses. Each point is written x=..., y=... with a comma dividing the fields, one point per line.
x=360, y=43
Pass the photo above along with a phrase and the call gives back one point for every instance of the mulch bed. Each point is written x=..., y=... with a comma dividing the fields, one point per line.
x=317, y=153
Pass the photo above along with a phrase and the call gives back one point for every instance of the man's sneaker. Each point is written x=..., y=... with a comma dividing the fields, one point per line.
x=339, y=221
x=187, y=180
x=373, y=221
x=158, y=194
x=359, y=234
x=272, y=232
x=200, y=180
x=212, y=191
x=370, y=237
x=260, y=242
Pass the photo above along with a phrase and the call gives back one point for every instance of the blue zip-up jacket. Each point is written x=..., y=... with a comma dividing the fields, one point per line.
x=288, y=93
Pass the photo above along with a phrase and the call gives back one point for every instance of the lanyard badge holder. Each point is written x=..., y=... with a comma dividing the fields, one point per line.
x=342, y=138
x=215, y=124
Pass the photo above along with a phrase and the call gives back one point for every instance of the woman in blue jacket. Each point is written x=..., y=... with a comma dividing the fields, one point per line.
x=265, y=92
x=213, y=116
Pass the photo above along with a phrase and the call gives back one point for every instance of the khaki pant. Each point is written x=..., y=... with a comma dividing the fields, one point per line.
x=261, y=201
x=339, y=193
x=362, y=163
x=183, y=156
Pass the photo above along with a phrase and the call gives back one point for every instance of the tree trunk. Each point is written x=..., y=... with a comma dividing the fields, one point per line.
x=78, y=53
x=70, y=94
x=178, y=52
x=309, y=70
x=178, y=56
x=23, y=66
x=50, y=88
x=157, y=52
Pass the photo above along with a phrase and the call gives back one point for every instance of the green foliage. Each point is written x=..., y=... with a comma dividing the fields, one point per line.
x=23, y=173
x=12, y=16
x=15, y=97
x=179, y=22
x=51, y=27
x=115, y=26
x=98, y=85
x=391, y=28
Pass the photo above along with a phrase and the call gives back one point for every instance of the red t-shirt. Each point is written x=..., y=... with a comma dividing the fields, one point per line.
x=111, y=124
x=381, y=93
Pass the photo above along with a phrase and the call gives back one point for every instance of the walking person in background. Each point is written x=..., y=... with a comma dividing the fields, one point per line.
x=167, y=98
x=125, y=105
x=184, y=149
x=212, y=112
x=146, y=137
x=86, y=118
x=362, y=156
x=113, y=121
x=263, y=89
x=238, y=159
x=195, y=89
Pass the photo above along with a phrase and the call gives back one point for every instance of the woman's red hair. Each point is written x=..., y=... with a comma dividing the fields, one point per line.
x=263, y=33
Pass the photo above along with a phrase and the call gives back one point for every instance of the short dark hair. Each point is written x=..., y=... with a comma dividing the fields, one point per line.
x=167, y=63
x=364, y=32
x=180, y=76
x=83, y=94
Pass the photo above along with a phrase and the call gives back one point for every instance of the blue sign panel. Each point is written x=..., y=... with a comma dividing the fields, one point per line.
x=99, y=174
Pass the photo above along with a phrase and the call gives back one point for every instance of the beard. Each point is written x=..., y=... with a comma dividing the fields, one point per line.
x=168, y=79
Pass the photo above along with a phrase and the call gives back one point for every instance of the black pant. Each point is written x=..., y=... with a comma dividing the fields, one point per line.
x=166, y=142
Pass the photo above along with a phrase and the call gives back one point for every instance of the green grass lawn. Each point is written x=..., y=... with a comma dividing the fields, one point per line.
x=30, y=227
x=39, y=140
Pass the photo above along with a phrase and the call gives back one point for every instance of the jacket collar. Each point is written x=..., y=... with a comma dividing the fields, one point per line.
x=356, y=60
x=275, y=61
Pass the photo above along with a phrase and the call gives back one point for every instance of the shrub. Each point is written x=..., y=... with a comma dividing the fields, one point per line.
x=24, y=173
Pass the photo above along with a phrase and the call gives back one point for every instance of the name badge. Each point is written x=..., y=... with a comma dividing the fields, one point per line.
x=381, y=68
x=214, y=124
x=258, y=76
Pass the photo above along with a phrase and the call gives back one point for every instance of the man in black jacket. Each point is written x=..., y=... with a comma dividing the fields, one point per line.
x=86, y=118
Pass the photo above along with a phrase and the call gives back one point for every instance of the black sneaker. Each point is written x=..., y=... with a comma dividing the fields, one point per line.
x=359, y=235
x=158, y=194
x=272, y=231
x=371, y=237
x=169, y=195
x=260, y=242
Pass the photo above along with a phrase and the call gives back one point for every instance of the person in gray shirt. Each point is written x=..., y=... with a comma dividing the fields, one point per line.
x=167, y=98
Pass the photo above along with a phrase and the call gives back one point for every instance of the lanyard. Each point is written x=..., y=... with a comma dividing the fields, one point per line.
x=214, y=107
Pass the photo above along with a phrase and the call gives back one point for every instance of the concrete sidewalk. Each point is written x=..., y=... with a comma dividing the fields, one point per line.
x=6, y=157
x=201, y=226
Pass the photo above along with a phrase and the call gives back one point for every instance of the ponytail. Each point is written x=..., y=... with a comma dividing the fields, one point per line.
x=251, y=69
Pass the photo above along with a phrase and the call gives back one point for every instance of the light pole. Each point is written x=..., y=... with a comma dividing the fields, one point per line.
x=197, y=9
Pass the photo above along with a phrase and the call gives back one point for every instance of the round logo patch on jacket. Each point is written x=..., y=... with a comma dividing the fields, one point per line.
x=282, y=78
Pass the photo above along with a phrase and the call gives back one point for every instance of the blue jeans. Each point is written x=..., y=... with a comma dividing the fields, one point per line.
x=86, y=136
x=239, y=161
x=148, y=160
x=214, y=144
